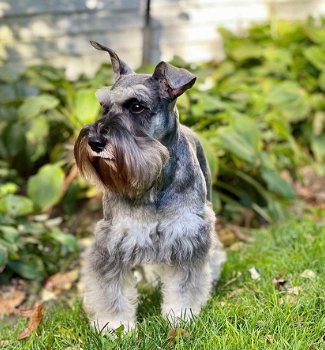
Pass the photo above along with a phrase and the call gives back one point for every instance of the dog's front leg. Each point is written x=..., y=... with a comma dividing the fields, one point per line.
x=185, y=290
x=110, y=292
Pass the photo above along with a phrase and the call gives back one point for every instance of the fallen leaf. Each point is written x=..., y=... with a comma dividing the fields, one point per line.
x=254, y=274
x=35, y=316
x=61, y=281
x=269, y=338
x=47, y=295
x=308, y=274
x=176, y=333
x=280, y=283
x=288, y=299
x=235, y=292
x=9, y=301
x=294, y=290
x=4, y=343
x=300, y=319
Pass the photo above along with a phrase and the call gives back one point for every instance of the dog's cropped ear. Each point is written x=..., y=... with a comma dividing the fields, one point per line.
x=173, y=81
x=119, y=67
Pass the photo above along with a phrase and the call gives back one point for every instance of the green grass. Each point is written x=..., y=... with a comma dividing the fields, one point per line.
x=242, y=313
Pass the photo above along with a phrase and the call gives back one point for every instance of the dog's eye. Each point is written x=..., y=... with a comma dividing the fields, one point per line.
x=136, y=107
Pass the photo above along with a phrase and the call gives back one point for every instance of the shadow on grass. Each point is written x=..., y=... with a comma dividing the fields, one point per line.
x=149, y=302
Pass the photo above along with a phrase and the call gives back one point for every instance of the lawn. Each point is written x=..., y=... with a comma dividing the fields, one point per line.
x=282, y=308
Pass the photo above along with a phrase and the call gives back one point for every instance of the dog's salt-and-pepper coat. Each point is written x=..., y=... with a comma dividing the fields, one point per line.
x=156, y=202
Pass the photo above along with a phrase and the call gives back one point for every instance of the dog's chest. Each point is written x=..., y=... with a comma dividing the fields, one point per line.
x=136, y=236
x=141, y=236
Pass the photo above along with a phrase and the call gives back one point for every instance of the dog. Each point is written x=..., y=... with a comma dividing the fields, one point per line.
x=156, y=198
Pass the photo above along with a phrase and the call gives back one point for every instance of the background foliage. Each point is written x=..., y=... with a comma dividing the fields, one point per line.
x=260, y=114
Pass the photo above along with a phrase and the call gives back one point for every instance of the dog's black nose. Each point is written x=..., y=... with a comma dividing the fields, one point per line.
x=97, y=143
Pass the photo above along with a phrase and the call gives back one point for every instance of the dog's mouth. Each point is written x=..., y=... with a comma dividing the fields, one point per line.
x=106, y=155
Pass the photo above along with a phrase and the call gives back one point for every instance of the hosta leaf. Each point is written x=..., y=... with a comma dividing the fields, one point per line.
x=15, y=205
x=36, y=137
x=30, y=267
x=248, y=129
x=3, y=257
x=236, y=144
x=318, y=147
x=46, y=186
x=35, y=105
x=212, y=158
x=86, y=105
x=67, y=240
x=286, y=32
x=246, y=51
x=316, y=56
x=275, y=183
x=317, y=35
x=290, y=100
x=321, y=80
x=8, y=188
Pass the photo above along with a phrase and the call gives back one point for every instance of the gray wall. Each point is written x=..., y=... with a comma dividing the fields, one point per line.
x=58, y=31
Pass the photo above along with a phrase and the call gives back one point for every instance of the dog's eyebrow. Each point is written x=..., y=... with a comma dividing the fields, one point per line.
x=122, y=95
x=103, y=96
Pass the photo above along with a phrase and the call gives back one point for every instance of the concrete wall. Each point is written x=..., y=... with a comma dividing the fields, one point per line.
x=58, y=31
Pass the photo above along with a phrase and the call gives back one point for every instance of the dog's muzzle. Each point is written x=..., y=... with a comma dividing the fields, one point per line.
x=97, y=143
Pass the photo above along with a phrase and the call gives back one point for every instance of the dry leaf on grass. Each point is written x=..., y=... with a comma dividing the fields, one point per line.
x=288, y=299
x=294, y=290
x=61, y=281
x=9, y=301
x=269, y=338
x=176, y=333
x=254, y=274
x=35, y=316
x=280, y=283
x=308, y=274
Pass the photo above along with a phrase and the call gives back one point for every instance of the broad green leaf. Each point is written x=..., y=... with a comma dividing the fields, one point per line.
x=248, y=129
x=316, y=56
x=246, y=51
x=31, y=268
x=13, y=138
x=237, y=144
x=290, y=100
x=35, y=105
x=8, y=188
x=3, y=257
x=86, y=106
x=242, y=137
x=36, y=137
x=9, y=233
x=317, y=35
x=275, y=183
x=68, y=241
x=46, y=186
x=15, y=205
x=212, y=157
x=321, y=80
x=286, y=32
x=318, y=147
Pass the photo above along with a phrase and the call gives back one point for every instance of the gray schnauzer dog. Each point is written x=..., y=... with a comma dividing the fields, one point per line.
x=156, y=203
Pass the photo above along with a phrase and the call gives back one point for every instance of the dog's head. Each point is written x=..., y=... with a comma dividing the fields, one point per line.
x=125, y=151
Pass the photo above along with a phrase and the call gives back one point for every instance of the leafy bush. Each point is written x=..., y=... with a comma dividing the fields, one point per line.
x=260, y=114
x=262, y=111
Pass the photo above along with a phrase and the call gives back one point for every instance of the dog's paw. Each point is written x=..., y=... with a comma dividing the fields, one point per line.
x=105, y=325
x=176, y=316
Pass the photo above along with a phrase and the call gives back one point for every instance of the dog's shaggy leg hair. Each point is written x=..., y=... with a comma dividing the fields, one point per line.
x=110, y=289
x=185, y=290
